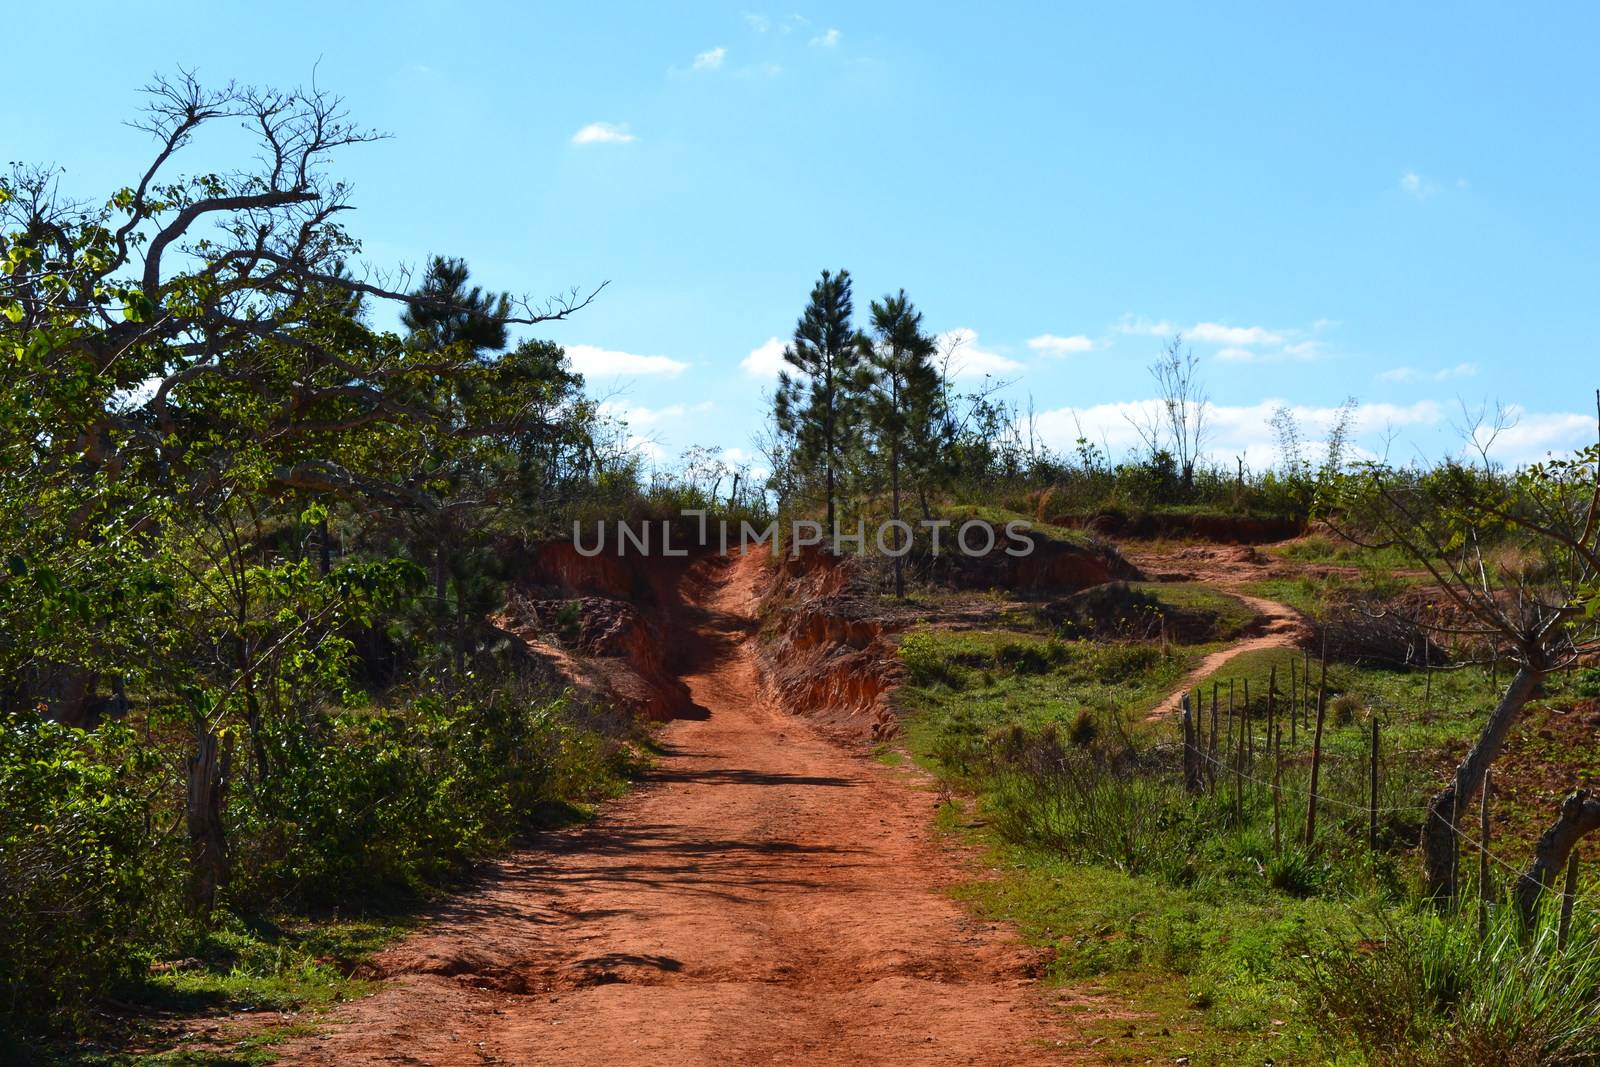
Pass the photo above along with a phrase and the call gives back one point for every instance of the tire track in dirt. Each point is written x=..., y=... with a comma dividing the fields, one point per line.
x=763, y=897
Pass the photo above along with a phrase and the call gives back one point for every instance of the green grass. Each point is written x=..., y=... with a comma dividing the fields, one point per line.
x=999, y=516
x=1331, y=549
x=294, y=967
x=1233, y=615
x=1203, y=975
x=1175, y=907
x=966, y=683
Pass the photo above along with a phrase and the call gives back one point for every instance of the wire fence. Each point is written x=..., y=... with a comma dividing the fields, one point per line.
x=1228, y=752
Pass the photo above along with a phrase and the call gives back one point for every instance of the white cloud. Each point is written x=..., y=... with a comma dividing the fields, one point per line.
x=765, y=360
x=1204, y=332
x=1051, y=345
x=828, y=39
x=1303, y=349
x=1533, y=436
x=1217, y=333
x=711, y=59
x=1234, y=354
x=638, y=415
x=1415, y=185
x=1246, y=429
x=968, y=360
x=604, y=133
x=1144, y=327
x=1234, y=430
x=593, y=362
x=1412, y=374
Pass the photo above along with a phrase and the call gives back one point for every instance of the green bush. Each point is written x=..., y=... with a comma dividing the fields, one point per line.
x=371, y=806
x=87, y=871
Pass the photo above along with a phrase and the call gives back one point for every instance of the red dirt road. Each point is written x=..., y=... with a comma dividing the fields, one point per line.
x=763, y=897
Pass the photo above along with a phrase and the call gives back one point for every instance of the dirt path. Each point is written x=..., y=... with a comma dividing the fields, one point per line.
x=1228, y=567
x=764, y=897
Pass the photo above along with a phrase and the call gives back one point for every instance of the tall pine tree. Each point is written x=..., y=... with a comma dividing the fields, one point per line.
x=818, y=405
x=902, y=407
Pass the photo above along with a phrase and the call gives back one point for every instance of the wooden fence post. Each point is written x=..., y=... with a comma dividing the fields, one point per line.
x=1200, y=733
x=1211, y=752
x=1238, y=766
x=1191, y=750
x=1277, y=790
x=1249, y=732
x=1483, y=857
x=1568, y=892
x=1372, y=802
x=1316, y=747
x=1230, y=718
x=1272, y=703
x=1294, y=696
x=1305, y=680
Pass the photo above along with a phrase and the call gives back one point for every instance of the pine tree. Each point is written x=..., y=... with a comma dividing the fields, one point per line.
x=446, y=316
x=443, y=311
x=818, y=406
x=903, y=405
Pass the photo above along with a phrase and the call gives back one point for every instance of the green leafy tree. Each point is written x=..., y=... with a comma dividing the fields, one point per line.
x=819, y=398
x=903, y=404
x=190, y=367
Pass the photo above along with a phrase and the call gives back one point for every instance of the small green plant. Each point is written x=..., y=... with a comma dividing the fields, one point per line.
x=569, y=622
x=1344, y=708
x=1295, y=872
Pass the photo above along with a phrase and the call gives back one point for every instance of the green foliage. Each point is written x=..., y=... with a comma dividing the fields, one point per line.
x=249, y=542
x=85, y=874
x=1424, y=990
x=395, y=802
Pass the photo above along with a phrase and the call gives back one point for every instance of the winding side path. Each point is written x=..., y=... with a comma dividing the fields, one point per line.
x=1227, y=567
x=764, y=897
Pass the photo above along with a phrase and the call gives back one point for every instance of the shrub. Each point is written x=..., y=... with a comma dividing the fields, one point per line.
x=365, y=806
x=1425, y=991
x=83, y=874
x=1344, y=708
x=1117, y=663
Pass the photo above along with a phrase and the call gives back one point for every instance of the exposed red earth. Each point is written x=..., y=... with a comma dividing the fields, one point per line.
x=765, y=896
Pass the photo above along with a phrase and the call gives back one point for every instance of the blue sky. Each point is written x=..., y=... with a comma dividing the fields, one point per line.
x=1390, y=202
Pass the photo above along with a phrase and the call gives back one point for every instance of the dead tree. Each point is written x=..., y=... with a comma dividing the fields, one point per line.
x=1179, y=426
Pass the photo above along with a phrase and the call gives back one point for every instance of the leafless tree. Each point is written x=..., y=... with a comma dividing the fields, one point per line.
x=1179, y=425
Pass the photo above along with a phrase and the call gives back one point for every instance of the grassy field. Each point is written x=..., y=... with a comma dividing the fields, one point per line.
x=1207, y=916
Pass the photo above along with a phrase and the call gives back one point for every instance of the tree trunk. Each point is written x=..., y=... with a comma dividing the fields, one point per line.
x=894, y=512
x=208, y=847
x=833, y=528
x=1580, y=815
x=1438, y=831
